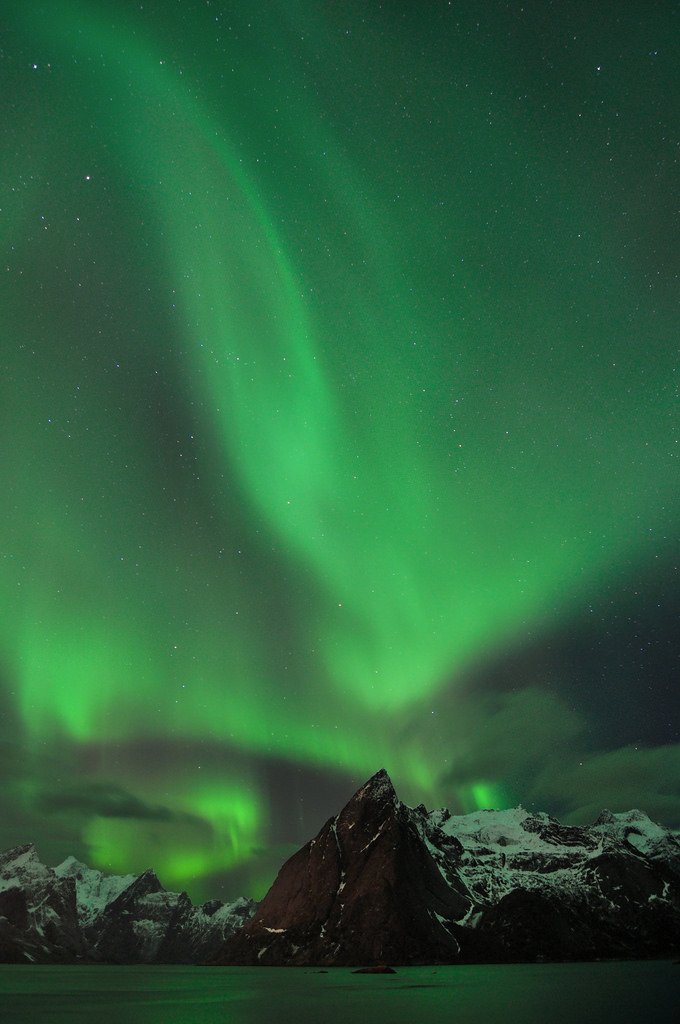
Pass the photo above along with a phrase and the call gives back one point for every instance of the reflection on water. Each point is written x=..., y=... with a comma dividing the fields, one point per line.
x=637, y=993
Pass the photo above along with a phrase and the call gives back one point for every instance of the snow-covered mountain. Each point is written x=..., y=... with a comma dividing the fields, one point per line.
x=38, y=911
x=73, y=913
x=94, y=889
x=541, y=889
x=383, y=882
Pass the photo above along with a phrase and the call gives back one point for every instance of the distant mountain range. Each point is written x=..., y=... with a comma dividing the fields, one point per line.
x=73, y=914
x=380, y=883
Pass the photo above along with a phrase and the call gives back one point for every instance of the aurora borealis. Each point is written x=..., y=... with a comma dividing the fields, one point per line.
x=339, y=393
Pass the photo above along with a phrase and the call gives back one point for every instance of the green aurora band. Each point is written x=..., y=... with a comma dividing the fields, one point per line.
x=421, y=421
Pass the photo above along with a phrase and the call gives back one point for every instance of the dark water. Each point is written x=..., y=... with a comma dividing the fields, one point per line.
x=638, y=993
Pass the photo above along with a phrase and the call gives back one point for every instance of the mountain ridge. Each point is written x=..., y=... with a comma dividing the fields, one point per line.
x=76, y=914
x=380, y=882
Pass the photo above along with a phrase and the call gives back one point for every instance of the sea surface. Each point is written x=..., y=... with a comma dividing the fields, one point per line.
x=631, y=993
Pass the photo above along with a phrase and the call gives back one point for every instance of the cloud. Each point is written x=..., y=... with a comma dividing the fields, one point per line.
x=538, y=750
x=105, y=799
x=633, y=776
x=509, y=737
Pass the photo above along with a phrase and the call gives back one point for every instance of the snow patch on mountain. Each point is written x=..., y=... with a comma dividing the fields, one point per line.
x=94, y=889
x=638, y=830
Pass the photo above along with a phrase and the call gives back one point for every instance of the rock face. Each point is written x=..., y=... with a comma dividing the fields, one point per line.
x=38, y=912
x=384, y=883
x=365, y=890
x=73, y=914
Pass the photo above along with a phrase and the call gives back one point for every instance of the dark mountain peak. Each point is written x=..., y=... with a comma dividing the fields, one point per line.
x=379, y=788
x=372, y=803
x=147, y=882
x=365, y=890
x=373, y=809
x=149, y=874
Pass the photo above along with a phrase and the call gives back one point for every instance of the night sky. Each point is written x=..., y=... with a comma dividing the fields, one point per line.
x=339, y=386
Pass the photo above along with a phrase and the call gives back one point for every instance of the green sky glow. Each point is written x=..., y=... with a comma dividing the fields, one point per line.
x=328, y=378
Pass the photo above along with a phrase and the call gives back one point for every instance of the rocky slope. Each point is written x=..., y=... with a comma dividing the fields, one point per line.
x=382, y=882
x=74, y=914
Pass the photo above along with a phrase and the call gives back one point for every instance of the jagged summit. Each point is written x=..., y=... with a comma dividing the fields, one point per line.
x=19, y=857
x=379, y=788
x=371, y=804
x=21, y=865
x=148, y=882
x=71, y=866
x=94, y=889
x=150, y=875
